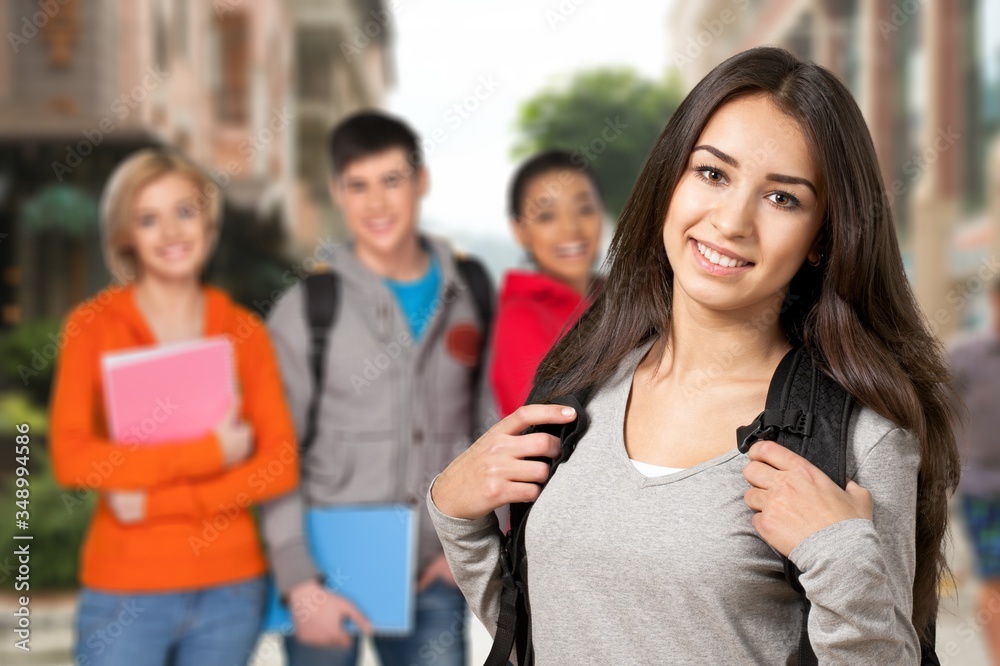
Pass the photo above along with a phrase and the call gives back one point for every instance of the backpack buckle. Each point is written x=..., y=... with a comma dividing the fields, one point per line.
x=794, y=422
x=747, y=436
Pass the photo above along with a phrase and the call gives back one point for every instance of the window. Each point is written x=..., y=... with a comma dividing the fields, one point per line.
x=233, y=58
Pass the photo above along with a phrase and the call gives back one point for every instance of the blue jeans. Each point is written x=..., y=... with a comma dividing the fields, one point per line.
x=215, y=625
x=438, y=637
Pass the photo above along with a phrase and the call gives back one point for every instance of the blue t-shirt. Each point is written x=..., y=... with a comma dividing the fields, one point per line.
x=416, y=298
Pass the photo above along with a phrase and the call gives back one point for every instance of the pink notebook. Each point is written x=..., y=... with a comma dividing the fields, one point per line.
x=168, y=393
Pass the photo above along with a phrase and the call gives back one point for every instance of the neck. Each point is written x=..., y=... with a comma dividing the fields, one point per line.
x=408, y=261
x=580, y=285
x=708, y=346
x=168, y=296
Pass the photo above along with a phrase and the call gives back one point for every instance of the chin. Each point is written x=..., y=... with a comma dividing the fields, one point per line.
x=176, y=273
x=386, y=245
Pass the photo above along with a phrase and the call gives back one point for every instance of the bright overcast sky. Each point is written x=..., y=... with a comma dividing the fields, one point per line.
x=444, y=50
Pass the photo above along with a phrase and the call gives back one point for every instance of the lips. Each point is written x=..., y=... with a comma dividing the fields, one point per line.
x=379, y=225
x=720, y=255
x=175, y=251
x=575, y=250
x=716, y=268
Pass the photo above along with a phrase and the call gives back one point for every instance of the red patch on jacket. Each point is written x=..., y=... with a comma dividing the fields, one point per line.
x=462, y=341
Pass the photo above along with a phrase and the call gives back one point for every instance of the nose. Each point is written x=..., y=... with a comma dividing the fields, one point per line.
x=733, y=216
x=171, y=226
x=376, y=199
x=570, y=225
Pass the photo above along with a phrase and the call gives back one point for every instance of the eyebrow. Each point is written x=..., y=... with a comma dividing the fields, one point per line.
x=775, y=177
x=155, y=209
x=792, y=180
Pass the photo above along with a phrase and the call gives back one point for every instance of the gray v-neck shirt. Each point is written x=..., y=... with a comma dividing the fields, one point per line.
x=627, y=569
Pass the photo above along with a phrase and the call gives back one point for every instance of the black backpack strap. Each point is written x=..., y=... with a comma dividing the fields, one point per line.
x=478, y=280
x=322, y=303
x=514, y=622
x=808, y=412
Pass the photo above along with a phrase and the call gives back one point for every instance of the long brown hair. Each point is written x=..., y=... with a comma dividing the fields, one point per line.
x=855, y=313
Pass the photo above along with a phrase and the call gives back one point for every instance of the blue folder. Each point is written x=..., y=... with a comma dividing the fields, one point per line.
x=368, y=555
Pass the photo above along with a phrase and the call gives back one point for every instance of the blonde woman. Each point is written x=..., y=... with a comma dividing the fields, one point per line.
x=160, y=586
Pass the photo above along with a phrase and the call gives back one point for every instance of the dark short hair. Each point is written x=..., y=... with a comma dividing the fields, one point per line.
x=550, y=160
x=368, y=133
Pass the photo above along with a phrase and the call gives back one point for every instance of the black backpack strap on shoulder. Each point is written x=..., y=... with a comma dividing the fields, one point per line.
x=807, y=412
x=514, y=622
x=478, y=280
x=322, y=303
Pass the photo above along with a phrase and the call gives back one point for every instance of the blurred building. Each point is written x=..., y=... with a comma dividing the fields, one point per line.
x=926, y=74
x=342, y=64
x=246, y=88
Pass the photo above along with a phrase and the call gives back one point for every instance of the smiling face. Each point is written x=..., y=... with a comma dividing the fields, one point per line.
x=747, y=210
x=560, y=225
x=380, y=196
x=169, y=229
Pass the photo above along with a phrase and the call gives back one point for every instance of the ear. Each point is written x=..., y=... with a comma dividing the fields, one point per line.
x=423, y=181
x=336, y=191
x=815, y=254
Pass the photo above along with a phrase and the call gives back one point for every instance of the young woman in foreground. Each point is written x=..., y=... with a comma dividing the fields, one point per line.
x=759, y=223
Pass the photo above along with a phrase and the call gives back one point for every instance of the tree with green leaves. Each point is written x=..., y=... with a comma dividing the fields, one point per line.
x=608, y=119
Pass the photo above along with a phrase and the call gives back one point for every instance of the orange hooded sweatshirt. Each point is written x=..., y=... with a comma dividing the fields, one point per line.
x=197, y=530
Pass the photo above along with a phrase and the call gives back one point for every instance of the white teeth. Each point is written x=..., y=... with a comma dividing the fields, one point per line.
x=174, y=251
x=719, y=259
x=570, y=249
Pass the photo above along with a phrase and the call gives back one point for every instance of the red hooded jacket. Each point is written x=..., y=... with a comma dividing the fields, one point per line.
x=534, y=311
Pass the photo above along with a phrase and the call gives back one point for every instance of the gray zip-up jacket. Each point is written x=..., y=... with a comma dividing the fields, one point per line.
x=393, y=412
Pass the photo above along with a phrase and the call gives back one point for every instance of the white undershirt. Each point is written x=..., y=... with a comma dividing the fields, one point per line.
x=654, y=470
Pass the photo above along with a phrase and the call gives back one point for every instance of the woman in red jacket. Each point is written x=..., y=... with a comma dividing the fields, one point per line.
x=556, y=216
x=172, y=571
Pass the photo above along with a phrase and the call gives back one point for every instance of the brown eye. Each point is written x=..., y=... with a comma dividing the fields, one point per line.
x=710, y=175
x=783, y=200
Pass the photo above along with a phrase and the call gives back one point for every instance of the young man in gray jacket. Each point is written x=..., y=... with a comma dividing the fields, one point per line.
x=403, y=394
